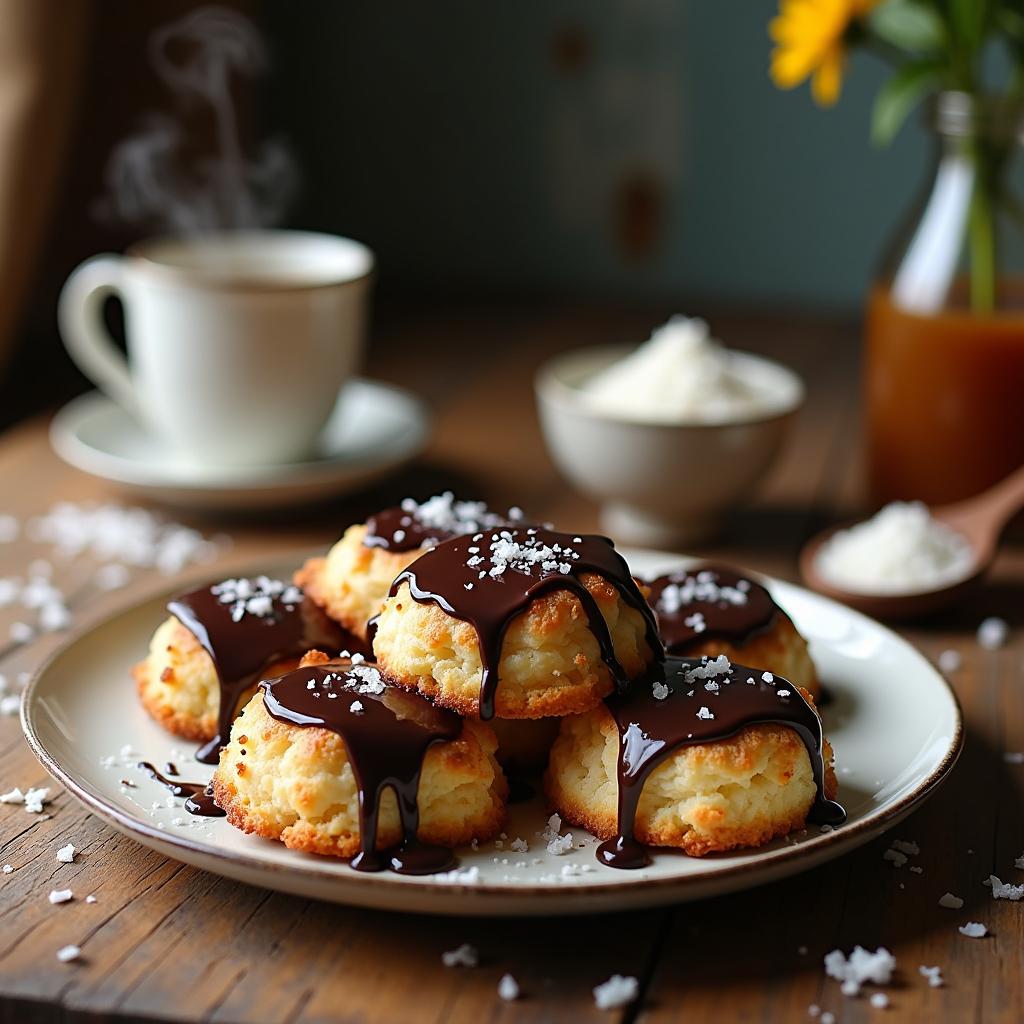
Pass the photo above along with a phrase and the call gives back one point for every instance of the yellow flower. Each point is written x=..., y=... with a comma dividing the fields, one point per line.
x=810, y=36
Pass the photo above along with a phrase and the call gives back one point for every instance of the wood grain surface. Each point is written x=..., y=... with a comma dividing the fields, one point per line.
x=168, y=942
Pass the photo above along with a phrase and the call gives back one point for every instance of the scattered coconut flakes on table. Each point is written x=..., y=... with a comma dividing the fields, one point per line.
x=68, y=953
x=60, y=895
x=66, y=854
x=1005, y=890
x=860, y=967
x=950, y=902
x=933, y=974
x=879, y=1000
x=508, y=988
x=973, y=930
x=464, y=956
x=7, y=869
x=907, y=846
x=992, y=633
x=617, y=991
x=32, y=799
x=949, y=661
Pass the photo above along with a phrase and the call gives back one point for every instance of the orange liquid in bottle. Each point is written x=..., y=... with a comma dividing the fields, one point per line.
x=945, y=398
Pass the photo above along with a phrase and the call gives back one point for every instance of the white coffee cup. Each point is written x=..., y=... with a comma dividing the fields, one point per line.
x=238, y=342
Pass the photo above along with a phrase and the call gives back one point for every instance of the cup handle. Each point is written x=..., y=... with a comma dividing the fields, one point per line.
x=85, y=336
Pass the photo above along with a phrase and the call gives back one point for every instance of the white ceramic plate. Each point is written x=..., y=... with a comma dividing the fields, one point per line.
x=894, y=724
x=374, y=429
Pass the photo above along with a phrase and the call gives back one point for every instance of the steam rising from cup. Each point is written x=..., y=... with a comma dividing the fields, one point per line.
x=155, y=177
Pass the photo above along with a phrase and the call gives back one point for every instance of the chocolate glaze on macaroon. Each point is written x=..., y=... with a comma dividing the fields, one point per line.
x=710, y=602
x=672, y=707
x=386, y=731
x=412, y=525
x=490, y=577
x=245, y=625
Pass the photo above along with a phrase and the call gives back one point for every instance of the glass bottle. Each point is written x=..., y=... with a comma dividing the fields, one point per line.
x=944, y=359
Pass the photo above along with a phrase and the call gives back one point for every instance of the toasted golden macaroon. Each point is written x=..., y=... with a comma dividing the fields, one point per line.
x=297, y=785
x=351, y=583
x=739, y=792
x=178, y=685
x=780, y=649
x=550, y=659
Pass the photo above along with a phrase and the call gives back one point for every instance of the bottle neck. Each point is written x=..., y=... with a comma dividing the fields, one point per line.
x=959, y=117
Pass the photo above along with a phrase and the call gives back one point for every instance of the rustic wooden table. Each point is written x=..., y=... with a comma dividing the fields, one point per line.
x=168, y=942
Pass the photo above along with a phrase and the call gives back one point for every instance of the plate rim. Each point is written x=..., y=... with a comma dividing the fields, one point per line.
x=852, y=835
x=65, y=441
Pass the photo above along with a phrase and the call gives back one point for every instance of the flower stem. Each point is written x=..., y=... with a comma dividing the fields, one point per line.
x=982, y=238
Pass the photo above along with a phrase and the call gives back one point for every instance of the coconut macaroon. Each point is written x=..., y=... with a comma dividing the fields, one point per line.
x=520, y=623
x=205, y=659
x=703, y=756
x=315, y=745
x=718, y=610
x=178, y=684
x=351, y=583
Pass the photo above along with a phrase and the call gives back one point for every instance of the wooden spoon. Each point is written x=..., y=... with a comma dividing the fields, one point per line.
x=980, y=520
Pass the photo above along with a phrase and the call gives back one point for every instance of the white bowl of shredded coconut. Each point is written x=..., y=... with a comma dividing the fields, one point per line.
x=667, y=436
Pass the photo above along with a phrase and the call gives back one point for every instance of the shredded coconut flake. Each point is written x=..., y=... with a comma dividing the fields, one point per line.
x=686, y=589
x=860, y=968
x=1005, y=890
x=60, y=895
x=973, y=930
x=949, y=661
x=933, y=975
x=464, y=956
x=68, y=953
x=617, y=991
x=992, y=633
x=66, y=854
x=950, y=902
x=508, y=988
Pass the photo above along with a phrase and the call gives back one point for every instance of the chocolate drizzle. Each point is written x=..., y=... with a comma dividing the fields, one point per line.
x=652, y=729
x=410, y=525
x=489, y=578
x=243, y=645
x=387, y=732
x=710, y=602
x=199, y=796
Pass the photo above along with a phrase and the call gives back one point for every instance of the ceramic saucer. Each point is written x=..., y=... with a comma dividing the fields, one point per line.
x=374, y=429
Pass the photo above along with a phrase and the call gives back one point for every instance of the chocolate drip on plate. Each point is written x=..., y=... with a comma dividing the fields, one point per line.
x=489, y=578
x=199, y=795
x=652, y=729
x=710, y=602
x=243, y=644
x=387, y=732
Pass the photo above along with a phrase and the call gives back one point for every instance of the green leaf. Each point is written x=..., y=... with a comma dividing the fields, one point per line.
x=909, y=25
x=899, y=96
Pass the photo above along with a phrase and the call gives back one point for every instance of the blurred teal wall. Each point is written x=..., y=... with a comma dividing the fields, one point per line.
x=632, y=148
